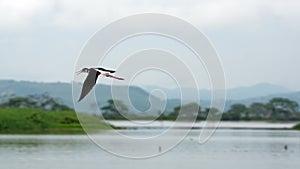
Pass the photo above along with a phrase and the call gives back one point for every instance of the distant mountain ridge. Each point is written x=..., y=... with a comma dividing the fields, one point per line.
x=237, y=93
x=295, y=96
x=63, y=91
x=140, y=96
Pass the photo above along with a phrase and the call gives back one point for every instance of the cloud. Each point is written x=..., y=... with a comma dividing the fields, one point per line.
x=48, y=31
x=287, y=10
x=18, y=14
x=77, y=14
x=206, y=13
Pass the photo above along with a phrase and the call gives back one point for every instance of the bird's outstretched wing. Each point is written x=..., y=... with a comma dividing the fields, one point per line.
x=89, y=83
x=106, y=70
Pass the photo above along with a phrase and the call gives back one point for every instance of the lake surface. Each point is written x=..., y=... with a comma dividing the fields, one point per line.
x=234, y=149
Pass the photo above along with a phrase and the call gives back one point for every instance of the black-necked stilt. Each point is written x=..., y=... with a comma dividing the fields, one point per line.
x=91, y=79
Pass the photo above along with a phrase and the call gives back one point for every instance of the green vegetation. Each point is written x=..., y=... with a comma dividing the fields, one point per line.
x=36, y=121
x=43, y=101
x=41, y=114
x=111, y=110
x=297, y=127
x=277, y=109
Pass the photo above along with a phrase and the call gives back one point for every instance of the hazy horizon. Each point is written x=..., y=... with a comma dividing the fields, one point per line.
x=160, y=86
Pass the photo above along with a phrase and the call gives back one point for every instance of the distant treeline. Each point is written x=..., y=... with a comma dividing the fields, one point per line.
x=277, y=109
x=43, y=102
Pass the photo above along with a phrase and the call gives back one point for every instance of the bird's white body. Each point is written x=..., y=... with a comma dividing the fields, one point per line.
x=103, y=73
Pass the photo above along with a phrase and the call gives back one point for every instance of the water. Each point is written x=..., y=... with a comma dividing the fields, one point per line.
x=226, y=149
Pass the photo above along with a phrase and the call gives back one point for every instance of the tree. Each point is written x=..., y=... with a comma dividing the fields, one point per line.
x=258, y=111
x=114, y=109
x=188, y=110
x=238, y=108
x=214, y=112
x=43, y=101
x=236, y=112
x=282, y=108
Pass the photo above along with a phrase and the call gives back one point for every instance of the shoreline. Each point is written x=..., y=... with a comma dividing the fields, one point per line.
x=155, y=125
x=254, y=125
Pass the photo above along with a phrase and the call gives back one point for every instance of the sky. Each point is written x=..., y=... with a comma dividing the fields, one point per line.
x=257, y=40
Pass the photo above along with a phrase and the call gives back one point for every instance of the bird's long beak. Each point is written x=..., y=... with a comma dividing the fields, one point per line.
x=78, y=72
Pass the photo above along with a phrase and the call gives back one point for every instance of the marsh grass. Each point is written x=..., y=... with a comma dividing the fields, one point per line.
x=36, y=121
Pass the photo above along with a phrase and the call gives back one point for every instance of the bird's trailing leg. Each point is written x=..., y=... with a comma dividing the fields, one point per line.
x=115, y=77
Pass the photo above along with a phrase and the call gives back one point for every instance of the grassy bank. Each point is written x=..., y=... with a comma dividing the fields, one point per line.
x=36, y=121
x=297, y=127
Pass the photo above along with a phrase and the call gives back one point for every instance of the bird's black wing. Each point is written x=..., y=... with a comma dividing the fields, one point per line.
x=102, y=69
x=89, y=83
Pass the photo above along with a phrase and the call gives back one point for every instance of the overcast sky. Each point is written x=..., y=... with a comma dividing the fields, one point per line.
x=257, y=40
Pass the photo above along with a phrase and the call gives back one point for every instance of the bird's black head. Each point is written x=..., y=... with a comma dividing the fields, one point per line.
x=84, y=70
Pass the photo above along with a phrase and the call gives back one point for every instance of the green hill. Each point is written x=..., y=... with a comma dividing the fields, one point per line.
x=36, y=121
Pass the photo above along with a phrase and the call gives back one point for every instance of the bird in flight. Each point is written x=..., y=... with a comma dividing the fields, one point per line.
x=91, y=78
